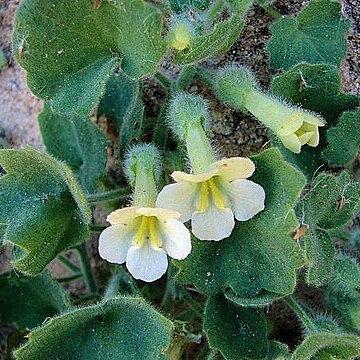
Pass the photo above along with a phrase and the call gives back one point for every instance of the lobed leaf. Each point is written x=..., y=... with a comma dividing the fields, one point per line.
x=316, y=35
x=69, y=49
x=343, y=139
x=228, y=265
x=29, y=301
x=123, y=328
x=237, y=332
x=76, y=140
x=122, y=105
x=42, y=206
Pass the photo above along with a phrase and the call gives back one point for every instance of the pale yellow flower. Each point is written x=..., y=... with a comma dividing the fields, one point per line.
x=212, y=199
x=143, y=237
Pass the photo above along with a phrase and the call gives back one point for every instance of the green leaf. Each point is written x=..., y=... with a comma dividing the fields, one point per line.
x=28, y=301
x=330, y=203
x=123, y=328
x=123, y=106
x=69, y=49
x=278, y=351
x=320, y=255
x=76, y=140
x=316, y=35
x=316, y=88
x=216, y=42
x=43, y=207
x=228, y=265
x=238, y=332
x=343, y=139
x=181, y=5
x=325, y=346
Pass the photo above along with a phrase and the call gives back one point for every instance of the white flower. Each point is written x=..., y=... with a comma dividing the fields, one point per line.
x=143, y=237
x=212, y=199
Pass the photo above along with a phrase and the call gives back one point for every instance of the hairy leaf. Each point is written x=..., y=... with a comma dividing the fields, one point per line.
x=43, y=207
x=238, y=332
x=181, y=5
x=122, y=105
x=278, y=351
x=120, y=328
x=76, y=140
x=228, y=265
x=325, y=346
x=316, y=88
x=343, y=139
x=219, y=40
x=28, y=301
x=69, y=49
x=316, y=35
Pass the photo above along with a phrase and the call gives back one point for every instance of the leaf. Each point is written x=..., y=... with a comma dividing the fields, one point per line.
x=330, y=203
x=238, y=332
x=180, y=5
x=28, y=301
x=218, y=41
x=343, y=139
x=324, y=346
x=320, y=254
x=76, y=140
x=43, y=207
x=123, y=328
x=69, y=49
x=316, y=88
x=123, y=106
x=228, y=265
x=316, y=35
x=278, y=351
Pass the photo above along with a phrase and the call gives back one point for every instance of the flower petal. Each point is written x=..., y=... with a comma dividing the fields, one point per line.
x=306, y=137
x=212, y=224
x=235, y=168
x=161, y=214
x=114, y=243
x=292, y=143
x=179, y=197
x=123, y=216
x=176, y=239
x=247, y=199
x=293, y=123
x=146, y=263
x=180, y=176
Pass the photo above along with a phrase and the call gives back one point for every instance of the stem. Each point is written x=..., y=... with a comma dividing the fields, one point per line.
x=164, y=81
x=70, y=278
x=161, y=131
x=185, y=78
x=301, y=313
x=65, y=261
x=121, y=283
x=215, y=10
x=272, y=11
x=170, y=290
x=108, y=196
x=86, y=268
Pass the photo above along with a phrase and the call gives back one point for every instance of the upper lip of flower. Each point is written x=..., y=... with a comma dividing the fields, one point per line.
x=218, y=194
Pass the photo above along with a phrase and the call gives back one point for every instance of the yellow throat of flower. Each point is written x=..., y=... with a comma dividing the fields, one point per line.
x=210, y=189
x=148, y=231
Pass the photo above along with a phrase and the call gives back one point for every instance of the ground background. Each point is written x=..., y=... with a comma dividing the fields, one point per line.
x=235, y=133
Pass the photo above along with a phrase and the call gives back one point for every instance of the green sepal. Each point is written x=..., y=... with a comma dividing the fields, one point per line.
x=264, y=240
x=43, y=207
x=122, y=105
x=237, y=332
x=324, y=346
x=123, y=328
x=219, y=40
x=316, y=35
x=316, y=88
x=76, y=140
x=343, y=139
x=28, y=301
x=69, y=49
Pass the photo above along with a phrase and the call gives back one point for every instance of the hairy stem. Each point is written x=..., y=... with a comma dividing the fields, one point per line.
x=108, y=195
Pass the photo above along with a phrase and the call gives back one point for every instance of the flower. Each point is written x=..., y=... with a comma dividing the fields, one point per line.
x=143, y=237
x=299, y=129
x=180, y=37
x=211, y=199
